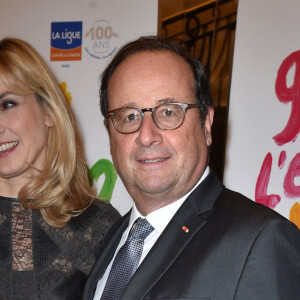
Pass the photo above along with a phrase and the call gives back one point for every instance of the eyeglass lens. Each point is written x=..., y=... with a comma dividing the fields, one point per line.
x=127, y=120
x=169, y=116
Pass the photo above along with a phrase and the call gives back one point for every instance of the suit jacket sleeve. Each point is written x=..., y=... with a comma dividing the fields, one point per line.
x=272, y=268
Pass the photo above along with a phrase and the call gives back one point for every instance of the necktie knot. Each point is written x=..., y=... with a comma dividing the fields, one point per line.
x=140, y=230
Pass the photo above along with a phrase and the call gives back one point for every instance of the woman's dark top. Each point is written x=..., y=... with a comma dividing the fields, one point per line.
x=38, y=261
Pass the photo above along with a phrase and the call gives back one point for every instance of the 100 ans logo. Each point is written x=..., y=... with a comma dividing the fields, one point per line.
x=101, y=40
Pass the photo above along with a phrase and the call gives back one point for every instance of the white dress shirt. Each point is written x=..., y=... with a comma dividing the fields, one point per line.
x=159, y=220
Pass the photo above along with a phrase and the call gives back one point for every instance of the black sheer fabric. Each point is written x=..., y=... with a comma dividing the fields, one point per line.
x=38, y=261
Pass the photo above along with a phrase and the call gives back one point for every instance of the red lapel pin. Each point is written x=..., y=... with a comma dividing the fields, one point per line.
x=185, y=229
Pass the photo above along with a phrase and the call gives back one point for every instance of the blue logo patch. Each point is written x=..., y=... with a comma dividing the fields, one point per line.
x=66, y=41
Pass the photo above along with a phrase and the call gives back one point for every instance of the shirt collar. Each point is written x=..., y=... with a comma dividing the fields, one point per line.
x=160, y=218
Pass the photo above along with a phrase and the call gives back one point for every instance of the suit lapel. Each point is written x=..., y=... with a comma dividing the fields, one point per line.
x=110, y=244
x=193, y=214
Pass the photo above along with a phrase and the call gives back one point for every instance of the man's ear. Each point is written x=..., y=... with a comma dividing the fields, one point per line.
x=208, y=125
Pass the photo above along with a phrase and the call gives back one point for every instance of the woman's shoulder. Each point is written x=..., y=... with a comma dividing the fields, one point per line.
x=86, y=230
x=98, y=214
x=73, y=249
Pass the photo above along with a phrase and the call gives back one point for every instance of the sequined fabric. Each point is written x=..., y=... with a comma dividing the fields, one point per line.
x=38, y=261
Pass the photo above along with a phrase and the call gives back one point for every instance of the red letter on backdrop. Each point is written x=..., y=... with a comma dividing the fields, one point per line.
x=262, y=184
x=289, y=94
x=290, y=189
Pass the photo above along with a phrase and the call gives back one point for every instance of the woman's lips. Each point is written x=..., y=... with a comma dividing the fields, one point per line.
x=5, y=148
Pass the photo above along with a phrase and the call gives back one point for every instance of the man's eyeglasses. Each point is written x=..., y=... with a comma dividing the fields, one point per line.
x=166, y=116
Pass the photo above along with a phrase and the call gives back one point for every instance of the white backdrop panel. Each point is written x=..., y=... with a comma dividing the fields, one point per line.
x=267, y=33
x=31, y=20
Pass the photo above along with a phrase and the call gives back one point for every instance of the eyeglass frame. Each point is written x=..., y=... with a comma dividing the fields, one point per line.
x=184, y=107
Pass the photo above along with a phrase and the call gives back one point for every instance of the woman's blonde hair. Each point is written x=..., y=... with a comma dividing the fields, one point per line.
x=62, y=188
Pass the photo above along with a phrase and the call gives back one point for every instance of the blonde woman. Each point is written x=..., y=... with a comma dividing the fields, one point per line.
x=51, y=229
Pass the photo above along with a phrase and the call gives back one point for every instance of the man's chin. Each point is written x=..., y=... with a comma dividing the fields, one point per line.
x=154, y=186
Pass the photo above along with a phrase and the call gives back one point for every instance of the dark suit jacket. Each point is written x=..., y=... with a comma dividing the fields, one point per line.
x=234, y=249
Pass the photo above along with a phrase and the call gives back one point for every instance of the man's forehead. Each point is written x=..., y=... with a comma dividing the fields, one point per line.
x=157, y=101
x=152, y=56
x=155, y=75
x=150, y=64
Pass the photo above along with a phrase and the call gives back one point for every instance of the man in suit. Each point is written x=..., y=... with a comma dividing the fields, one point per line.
x=207, y=242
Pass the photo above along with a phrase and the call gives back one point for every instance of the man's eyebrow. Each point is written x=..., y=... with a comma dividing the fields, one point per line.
x=160, y=101
x=130, y=104
x=167, y=100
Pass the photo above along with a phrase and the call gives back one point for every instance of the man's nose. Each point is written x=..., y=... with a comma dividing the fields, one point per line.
x=149, y=133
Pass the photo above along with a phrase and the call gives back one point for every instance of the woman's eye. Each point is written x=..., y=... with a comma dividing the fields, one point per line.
x=7, y=104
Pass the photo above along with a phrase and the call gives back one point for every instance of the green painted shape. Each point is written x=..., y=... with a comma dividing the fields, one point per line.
x=104, y=166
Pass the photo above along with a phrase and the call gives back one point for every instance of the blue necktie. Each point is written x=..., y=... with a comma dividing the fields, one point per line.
x=126, y=260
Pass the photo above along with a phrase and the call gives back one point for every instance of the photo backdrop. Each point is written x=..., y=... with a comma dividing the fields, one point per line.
x=77, y=39
x=263, y=158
